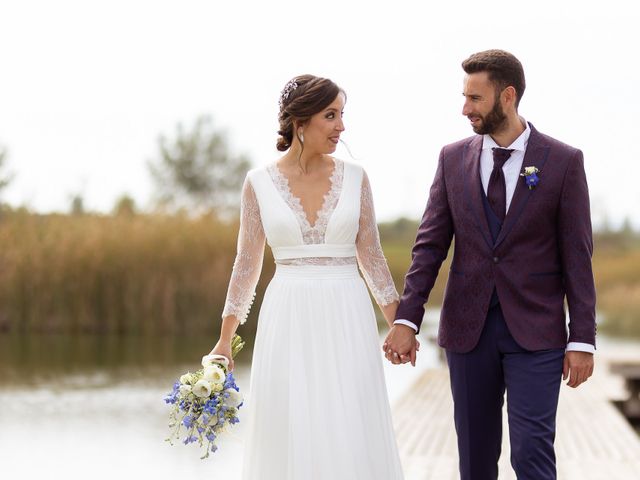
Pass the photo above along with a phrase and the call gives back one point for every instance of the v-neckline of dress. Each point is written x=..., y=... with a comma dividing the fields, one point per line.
x=311, y=233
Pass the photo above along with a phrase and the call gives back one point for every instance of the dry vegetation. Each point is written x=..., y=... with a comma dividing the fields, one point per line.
x=155, y=274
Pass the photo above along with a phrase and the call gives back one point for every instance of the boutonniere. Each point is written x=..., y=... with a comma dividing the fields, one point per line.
x=530, y=175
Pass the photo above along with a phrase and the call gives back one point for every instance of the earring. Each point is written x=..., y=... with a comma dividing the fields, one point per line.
x=301, y=135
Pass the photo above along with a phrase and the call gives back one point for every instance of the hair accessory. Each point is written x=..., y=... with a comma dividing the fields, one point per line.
x=288, y=88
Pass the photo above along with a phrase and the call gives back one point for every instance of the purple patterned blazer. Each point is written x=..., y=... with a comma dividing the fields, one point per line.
x=541, y=256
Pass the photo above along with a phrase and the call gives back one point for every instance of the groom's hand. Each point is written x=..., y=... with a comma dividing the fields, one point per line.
x=400, y=346
x=578, y=366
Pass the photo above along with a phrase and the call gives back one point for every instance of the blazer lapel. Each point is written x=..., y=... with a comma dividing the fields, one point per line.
x=536, y=156
x=473, y=187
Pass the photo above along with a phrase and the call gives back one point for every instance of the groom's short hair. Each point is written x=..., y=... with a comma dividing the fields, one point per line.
x=504, y=70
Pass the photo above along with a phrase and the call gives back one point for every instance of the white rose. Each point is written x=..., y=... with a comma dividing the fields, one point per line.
x=186, y=379
x=202, y=389
x=209, y=360
x=214, y=373
x=185, y=389
x=234, y=399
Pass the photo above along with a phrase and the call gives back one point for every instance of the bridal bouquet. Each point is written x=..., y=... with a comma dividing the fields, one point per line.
x=205, y=402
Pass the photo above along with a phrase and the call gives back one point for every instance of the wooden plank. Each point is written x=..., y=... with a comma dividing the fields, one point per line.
x=594, y=441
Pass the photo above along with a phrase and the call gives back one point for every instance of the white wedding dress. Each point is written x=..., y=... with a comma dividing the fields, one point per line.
x=318, y=407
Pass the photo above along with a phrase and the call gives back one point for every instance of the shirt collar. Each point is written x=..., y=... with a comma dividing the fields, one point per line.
x=519, y=143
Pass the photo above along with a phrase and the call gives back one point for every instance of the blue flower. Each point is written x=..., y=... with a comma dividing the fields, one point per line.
x=173, y=396
x=530, y=175
x=210, y=406
x=532, y=180
x=190, y=439
x=211, y=436
x=187, y=421
x=230, y=382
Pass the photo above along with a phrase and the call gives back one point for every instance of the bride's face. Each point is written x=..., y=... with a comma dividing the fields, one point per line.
x=322, y=132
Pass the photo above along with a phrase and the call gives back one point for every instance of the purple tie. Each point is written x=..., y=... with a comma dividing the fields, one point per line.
x=497, y=190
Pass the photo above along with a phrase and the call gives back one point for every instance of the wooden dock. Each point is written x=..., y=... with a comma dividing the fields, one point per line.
x=593, y=442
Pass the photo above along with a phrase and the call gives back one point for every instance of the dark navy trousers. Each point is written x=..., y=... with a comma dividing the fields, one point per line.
x=479, y=380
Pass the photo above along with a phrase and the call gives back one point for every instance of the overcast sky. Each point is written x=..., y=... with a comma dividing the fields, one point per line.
x=87, y=87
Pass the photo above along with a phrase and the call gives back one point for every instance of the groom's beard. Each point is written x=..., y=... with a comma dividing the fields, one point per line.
x=493, y=122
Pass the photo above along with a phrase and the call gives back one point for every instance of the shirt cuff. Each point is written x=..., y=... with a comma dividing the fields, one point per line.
x=580, y=347
x=402, y=321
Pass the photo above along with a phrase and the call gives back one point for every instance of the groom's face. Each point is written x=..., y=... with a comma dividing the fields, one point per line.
x=482, y=105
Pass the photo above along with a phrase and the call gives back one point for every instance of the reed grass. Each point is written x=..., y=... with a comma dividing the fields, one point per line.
x=143, y=274
x=160, y=274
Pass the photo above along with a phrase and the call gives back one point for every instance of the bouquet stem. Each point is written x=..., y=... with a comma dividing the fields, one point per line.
x=236, y=345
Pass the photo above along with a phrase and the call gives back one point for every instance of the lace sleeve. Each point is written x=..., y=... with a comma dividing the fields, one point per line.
x=248, y=263
x=370, y=257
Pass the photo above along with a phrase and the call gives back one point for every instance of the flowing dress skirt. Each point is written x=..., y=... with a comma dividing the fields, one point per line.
x=318, y=406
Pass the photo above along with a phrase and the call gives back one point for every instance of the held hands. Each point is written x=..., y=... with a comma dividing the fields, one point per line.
x=223, y=348
x=578, y=367
x=401, y=345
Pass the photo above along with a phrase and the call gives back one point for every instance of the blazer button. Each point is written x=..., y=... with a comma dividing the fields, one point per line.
x=496, y=259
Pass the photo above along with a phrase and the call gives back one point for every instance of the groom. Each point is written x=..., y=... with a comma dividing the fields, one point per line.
x=516, y=203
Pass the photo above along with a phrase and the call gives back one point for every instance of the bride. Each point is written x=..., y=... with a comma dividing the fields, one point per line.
x=318, y=406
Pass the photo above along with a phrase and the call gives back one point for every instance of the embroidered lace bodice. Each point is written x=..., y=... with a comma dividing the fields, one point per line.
x=310, y=234
x=252, y=239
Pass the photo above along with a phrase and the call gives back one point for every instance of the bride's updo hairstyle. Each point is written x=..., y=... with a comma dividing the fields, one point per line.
x=302, y=97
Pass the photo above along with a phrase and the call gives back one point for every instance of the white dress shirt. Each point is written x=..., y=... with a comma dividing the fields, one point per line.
x=511, y=169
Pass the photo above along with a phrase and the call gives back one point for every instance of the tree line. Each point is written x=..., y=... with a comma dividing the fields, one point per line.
x=193, y=171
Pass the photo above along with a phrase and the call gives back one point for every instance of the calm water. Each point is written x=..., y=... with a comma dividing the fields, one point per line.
x=92, y=407
x=89, y=406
